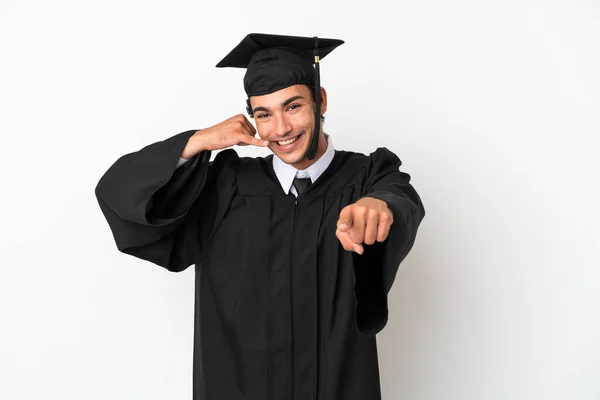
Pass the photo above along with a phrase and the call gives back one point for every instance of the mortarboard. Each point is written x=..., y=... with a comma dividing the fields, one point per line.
x=274, y=62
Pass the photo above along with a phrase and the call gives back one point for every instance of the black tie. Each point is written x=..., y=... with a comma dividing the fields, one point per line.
x=301, y=184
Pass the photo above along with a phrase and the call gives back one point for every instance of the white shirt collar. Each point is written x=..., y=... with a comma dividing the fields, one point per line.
x=286, y=173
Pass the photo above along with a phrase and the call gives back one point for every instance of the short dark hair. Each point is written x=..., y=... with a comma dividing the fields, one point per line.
x=251, y=113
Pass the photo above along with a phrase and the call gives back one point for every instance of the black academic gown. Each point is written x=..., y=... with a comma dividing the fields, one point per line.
x=282, y=311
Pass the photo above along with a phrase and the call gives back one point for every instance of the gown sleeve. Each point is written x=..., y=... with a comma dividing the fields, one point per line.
x=376, y=268
x=161, y=212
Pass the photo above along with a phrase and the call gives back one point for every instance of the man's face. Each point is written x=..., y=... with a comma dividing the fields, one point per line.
x=286, y=118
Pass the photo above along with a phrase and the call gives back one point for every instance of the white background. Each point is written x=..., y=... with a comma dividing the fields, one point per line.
x=493, y=107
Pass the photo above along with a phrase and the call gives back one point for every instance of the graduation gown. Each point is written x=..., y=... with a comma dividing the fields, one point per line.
x=282, y=311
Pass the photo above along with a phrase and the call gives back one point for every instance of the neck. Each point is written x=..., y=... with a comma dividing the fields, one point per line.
x=321, y=149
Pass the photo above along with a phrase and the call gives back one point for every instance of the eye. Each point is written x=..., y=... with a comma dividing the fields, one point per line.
x=294, y=106
x=262, y=115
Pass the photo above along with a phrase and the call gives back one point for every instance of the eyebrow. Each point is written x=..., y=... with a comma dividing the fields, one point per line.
x=284, y=104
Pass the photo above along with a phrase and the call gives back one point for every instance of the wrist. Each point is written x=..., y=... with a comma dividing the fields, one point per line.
x=195, y=145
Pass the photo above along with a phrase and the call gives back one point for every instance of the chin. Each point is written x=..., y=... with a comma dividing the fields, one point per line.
x=293, y=158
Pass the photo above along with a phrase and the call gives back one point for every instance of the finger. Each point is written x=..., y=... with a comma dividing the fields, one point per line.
x=240, y=124
x=383, y=228
x=357, y=232
x=250, y=131
x=243, y=127
x=245, y=140
x=371, y=230
x=250, y=127
x=347, y=244
x=345, y=220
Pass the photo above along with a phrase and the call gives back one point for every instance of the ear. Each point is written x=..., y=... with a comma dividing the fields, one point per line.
x=323, y=101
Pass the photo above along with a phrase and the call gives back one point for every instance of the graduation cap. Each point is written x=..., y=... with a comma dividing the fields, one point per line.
x=274, y=62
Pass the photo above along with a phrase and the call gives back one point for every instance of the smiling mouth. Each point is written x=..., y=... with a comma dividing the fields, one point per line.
x=284, y=143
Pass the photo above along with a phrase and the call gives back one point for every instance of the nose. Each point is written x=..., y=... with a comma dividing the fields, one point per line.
x=282, y=127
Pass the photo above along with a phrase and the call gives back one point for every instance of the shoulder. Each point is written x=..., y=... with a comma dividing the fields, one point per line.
x=229, y=158
x=356, y=171
x=231, y=155
x=226, y=156
x=250, y=175
x=381, y=158
x=244, y=166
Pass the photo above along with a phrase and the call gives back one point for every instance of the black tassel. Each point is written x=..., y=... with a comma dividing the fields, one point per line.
x=314, y=144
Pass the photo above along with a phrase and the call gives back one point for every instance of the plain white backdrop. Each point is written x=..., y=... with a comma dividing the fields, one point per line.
x=494, y=108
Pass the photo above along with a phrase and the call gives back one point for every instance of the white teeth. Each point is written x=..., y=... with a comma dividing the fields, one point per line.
x=286, y=142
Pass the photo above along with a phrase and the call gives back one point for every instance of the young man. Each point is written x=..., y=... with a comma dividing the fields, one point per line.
x=294, y=253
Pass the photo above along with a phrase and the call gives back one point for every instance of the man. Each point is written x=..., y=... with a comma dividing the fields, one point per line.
x=295, y=253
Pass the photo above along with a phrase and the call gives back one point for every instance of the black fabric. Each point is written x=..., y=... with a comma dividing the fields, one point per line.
x=274, y=62
x=282, y=310
x=301, y=184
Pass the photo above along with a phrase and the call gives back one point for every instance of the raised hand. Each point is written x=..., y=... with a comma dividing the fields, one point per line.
x=236, y=130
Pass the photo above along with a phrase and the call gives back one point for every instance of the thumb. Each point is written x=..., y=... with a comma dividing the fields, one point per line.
x=345, y=221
